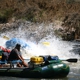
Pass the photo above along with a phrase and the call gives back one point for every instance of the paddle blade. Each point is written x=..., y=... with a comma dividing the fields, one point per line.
x=5, y=37
x=46, y=43
x=72, y=60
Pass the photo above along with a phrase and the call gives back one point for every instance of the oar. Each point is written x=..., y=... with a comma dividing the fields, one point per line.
x=46, y=43
x=71, y=60
x=59, y=60
x=5, y=37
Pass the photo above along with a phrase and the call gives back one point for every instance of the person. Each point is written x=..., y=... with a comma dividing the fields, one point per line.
x=4, y=56
x=5, y=53
x=15, y=54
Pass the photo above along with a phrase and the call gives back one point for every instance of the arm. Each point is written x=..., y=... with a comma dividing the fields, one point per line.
x=21, y=58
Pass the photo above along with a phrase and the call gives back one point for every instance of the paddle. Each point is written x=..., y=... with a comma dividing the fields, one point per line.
x=5, y=37
x=59, y=60
x=46, y=43
x=71, y=60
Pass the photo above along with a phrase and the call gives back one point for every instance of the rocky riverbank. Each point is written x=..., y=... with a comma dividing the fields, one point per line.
x=63, y=14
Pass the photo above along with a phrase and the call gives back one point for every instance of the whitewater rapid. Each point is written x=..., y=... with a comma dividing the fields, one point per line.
x=49, y=45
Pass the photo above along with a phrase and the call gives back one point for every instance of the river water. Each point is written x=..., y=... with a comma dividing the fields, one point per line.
x=49, y=45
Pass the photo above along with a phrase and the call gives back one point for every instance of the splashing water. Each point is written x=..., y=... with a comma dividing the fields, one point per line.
x=55, y=47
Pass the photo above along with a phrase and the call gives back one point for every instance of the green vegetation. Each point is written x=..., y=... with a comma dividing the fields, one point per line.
x=36, y=10
x=5, y=15
x=70, y=1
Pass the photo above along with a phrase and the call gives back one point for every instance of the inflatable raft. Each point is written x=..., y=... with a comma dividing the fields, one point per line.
x=39, y=67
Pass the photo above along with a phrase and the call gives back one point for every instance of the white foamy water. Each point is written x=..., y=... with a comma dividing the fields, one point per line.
x=49, y=45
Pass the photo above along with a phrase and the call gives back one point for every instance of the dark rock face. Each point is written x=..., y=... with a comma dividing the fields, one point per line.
x=71, y=23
